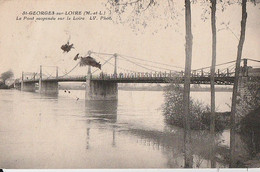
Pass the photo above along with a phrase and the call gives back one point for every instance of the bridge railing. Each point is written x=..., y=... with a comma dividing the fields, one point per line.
x=137, y=75
x=104, y=76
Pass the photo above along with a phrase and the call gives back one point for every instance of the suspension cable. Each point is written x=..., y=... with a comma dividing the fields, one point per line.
x=101, y=53
x=70, y=70
x=48, y=74
x=155, y=66
x=49, y=66
x=150, y=61
x=125, y=69
x=215, y=65
x=103, y=64
x=252, y=60
x=139, y=65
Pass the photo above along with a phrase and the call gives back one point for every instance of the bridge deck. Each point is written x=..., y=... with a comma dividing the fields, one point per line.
x=194, y=80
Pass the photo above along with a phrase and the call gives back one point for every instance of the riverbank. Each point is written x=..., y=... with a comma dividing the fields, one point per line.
x=253, y=163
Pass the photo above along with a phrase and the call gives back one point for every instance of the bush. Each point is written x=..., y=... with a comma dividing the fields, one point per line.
x=173, y=110
x=249, y=131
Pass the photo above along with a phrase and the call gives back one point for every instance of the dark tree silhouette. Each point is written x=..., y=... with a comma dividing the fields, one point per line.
x=212, y=82
x=235, y=87
x=141, y=6
x=7, y=75
x=188, y=158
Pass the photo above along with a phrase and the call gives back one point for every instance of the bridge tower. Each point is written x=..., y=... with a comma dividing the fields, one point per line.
x=50, y=86
x=40, y=79
x=27, y=86
x=115, y=69
x=88, y=92
x=245, y=81
x=22, y=83
x=57, y=72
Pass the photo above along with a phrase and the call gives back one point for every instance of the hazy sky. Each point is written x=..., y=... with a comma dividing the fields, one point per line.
x=25, y=45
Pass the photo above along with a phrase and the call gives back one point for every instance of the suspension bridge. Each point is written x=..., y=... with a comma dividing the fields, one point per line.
x=102, y=84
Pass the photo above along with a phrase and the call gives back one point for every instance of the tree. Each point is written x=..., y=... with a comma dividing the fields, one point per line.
x=212, y=82
x=235, y=87
x=6, y=75
x=188, y=160
x=140, y=6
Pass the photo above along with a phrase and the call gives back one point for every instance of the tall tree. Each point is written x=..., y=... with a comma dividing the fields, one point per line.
x=186, y=96
x=212, y=82
x=235, y=87
x=140, y=6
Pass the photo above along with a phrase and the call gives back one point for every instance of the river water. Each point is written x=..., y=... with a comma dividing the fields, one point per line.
x=65, y=131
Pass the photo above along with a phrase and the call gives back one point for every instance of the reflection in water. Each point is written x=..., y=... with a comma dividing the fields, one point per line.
x=49, y=95
x=102, y=110
x=88, y=137
x=63, y=132
x=170, y=143
x=114, y=138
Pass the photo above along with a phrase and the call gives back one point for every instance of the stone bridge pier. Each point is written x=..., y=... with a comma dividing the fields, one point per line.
x=28, y=86
x=48, y=87
x=249, y=82
x=248, y=89
x=100, y=90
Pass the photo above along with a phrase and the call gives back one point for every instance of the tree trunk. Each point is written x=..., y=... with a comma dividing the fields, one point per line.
x=188, y=159
x=235, y=87
x=212, y=83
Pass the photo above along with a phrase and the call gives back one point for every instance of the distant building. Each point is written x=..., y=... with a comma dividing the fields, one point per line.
x=9, y=81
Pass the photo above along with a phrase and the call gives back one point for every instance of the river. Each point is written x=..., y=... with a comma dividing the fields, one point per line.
x=65, y=131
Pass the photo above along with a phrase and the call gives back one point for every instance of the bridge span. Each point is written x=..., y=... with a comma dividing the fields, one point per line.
x=131, y=78
x=105, y=86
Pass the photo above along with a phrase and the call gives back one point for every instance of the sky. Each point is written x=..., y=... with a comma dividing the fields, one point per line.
x=25, y=45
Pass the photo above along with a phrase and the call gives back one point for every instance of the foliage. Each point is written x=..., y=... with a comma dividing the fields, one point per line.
x=6, y=75
x=250, y=132
x=249, y=101
x=200, y=113
x=137, y=14
x=248, y=115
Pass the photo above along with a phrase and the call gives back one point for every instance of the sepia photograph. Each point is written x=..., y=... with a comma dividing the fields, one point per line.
x=129, y=84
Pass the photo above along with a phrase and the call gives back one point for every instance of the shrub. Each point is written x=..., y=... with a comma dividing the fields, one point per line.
x=250, y=132
x=173, y=110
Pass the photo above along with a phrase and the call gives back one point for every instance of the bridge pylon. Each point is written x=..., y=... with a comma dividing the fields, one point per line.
x=40, y=79
x=27, y=86
x=22, y=83
x=89, y=71
x=57, y=72
x=48, y=86
x=115, y=69
x=245, y=68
